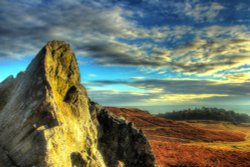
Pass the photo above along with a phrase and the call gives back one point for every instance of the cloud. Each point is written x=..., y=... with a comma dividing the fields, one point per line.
x=181, y=98
x=238, y=78
x=168, y=91
x=117, y=98
x=155, y=92
x=208, y=57
x=92, y=75
x=129, y=98
x=25, y=26
x=198, y=11
x=110, y=35
x=138, y=78
x=223, y=32
x=214, y=48
x=188, y=87
x=115, y=53
x=201, y=12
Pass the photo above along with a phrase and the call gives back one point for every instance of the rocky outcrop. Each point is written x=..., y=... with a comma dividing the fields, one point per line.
x=45, y=119
x=120, y=141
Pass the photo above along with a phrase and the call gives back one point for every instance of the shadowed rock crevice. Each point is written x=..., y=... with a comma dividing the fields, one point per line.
x=6, y=160
x=77, y=160
x=71, y=95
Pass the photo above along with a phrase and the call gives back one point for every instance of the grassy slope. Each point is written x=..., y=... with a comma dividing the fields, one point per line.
x=193, y=143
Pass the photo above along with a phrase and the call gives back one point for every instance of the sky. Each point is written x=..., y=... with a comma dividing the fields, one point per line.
x=158, y=55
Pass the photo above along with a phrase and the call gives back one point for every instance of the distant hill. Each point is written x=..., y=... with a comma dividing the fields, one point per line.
x=205, y=113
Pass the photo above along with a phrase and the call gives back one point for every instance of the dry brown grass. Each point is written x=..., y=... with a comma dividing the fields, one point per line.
x=193, y=143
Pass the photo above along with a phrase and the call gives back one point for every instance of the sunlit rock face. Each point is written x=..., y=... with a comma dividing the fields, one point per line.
x=45, y=120
x=45, y=117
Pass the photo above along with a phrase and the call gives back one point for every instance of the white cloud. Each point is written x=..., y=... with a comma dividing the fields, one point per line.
x=208, y=57
x=138, y=78
x=92, y=75
x=97, y=30
x=180, y=98
x=202, y=12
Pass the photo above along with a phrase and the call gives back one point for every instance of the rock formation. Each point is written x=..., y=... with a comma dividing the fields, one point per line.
x=120, y=141
x=45, y=119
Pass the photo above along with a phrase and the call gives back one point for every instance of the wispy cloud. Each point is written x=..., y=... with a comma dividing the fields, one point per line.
x=201, y=12
x=25, y=26
x=115, y=53
x=170, y=91
x=207, y=57
x=196, y=38
x=180, y=98
x=96, y=30
x=213, y=49
x=184, y=86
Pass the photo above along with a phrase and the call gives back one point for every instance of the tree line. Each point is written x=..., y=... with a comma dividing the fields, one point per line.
x=205, y=113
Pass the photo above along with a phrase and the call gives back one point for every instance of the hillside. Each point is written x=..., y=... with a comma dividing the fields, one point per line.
x=207, y=114
x=193, y=143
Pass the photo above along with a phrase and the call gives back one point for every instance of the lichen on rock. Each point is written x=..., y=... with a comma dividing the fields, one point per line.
x=44, y=120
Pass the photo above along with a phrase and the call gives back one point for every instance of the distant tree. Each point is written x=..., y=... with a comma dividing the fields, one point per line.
x=205, y=113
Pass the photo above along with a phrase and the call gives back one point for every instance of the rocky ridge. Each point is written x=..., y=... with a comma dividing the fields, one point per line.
x=120, y=141
x=46, y=119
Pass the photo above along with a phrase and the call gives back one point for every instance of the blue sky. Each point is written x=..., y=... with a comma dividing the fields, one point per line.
x=153, y=54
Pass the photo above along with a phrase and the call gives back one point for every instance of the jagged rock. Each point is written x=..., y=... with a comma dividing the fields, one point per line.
x=45, y=119
x=120, y=143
